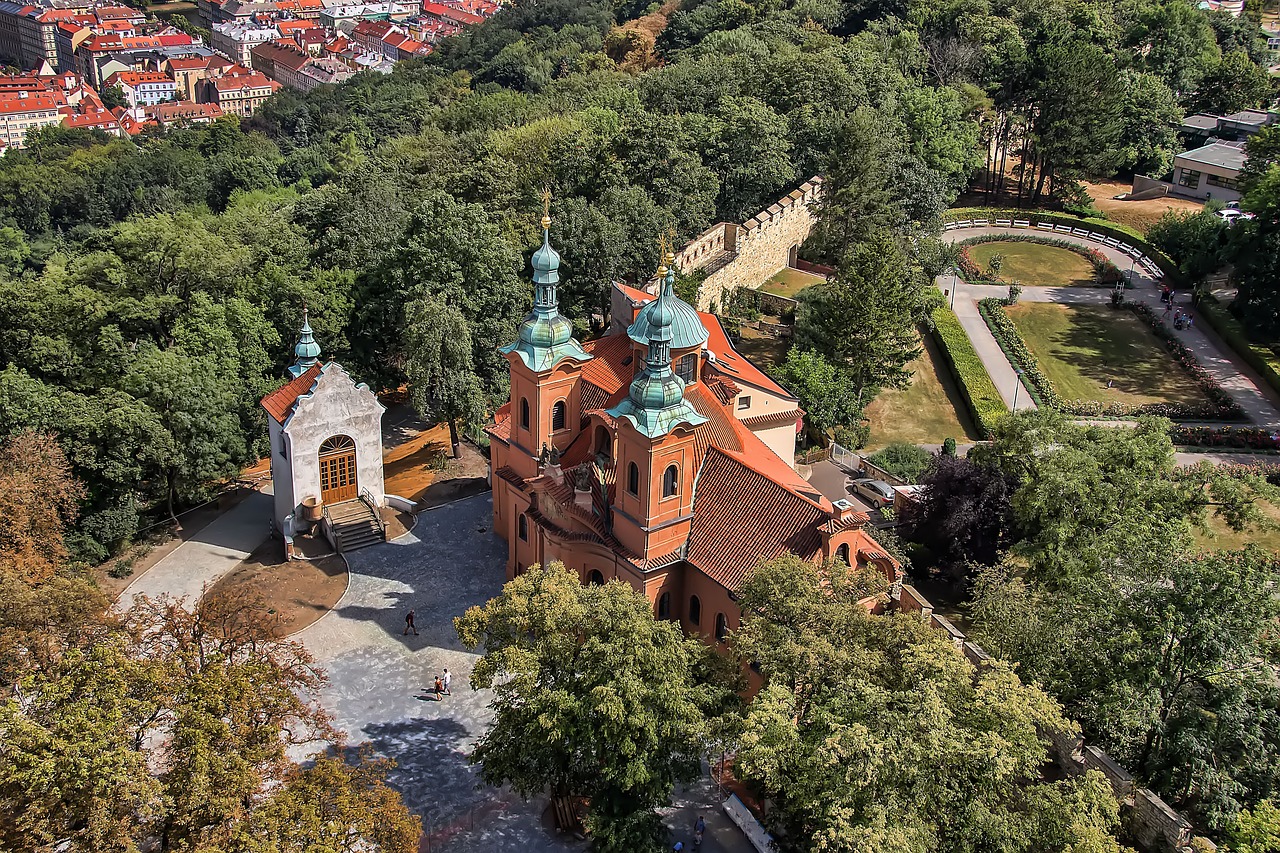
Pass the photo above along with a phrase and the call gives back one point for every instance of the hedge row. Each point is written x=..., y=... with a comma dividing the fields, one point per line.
x=1104, y=271
x=1219, y=408
x=1242, y=438
x=1102, y=226
x=1259, y=357
x=986, y=406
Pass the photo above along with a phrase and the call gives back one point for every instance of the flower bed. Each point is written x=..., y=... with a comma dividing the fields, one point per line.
x=1229, y=438
x=1105, y=272
x=986, y=406
x=1220, y=406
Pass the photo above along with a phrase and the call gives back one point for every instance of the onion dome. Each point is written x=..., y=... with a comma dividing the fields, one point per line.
x=687, y=330
x=545, y=335
x=655, y=403
x=307, y=351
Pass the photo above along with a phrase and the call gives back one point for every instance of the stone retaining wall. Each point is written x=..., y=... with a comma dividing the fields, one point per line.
x=1151, y=822
x=747, y=255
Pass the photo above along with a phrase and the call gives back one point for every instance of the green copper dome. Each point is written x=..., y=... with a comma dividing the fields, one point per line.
x=655, y=403
x=545, y=336
x=307, y=351
x=686, y=326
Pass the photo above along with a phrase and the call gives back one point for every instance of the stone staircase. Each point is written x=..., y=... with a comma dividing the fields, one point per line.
x=355, y=525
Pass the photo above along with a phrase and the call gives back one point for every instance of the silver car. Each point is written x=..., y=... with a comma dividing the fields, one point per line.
x=876, y=492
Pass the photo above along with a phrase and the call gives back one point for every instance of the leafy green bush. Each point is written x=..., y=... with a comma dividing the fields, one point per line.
x=986, y=406
x=903, y=460
x=949, y=447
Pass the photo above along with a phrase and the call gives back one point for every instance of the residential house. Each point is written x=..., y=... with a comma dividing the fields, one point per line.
x=370, y=34
x=324, y=71
x=237, y=41
x=187, y=71
x=22, y=111
x=144, y=88
x=1211, y=171
x=281, y=61
x=238, y=91
x=182, y=113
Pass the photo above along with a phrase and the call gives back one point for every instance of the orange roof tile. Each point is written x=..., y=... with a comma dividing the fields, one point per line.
x=280, y=402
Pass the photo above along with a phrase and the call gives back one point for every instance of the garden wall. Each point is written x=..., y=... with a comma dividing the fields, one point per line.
x=1148, y=820
x=747, y=255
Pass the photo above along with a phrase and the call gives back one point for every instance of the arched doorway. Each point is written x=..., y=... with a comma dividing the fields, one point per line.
x=338, y=470
x=595, y=578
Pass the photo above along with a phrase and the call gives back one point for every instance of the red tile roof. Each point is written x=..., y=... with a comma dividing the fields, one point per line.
x=728, y=359
x=13, y=104
x=280, y=402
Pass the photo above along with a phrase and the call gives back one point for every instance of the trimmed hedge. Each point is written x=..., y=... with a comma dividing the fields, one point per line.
x=1260, y=358
x=1105, y=272
x=1219, y=408
x=1234, y=438
x=1102, y=226
x=986, y=406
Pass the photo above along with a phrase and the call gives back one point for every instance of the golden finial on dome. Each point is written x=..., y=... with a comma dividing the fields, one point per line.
x=546, y=208
x=668, y=242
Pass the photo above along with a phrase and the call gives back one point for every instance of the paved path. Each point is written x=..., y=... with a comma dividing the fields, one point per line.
x=210, y=554
x=1233, y=376
x=451, y=561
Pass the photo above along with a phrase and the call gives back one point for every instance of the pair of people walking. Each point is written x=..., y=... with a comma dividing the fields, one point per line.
x=442, y=685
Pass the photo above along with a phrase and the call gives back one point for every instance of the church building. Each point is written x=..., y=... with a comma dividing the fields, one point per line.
x=657, y=455
x=326, y=450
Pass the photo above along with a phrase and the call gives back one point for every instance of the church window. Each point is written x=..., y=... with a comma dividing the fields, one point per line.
x=695, y=610
x=843, y=553
x=557, y=416
x=524, y=527
x=664, y=606
x=633, y=479
x=524, y=413
x=722, y=627
x=687, y=367
x=595, y=578
x=670, y=480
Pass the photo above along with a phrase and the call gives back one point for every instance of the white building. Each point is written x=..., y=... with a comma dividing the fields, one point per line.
x=1211, y=171
x=326, y=451
x=235, y=41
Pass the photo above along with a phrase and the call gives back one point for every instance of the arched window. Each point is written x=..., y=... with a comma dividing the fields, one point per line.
x=687, y=367
x=843, y=553
x=695, y=610
x=524, y=527
x=722, y=627
x=557, y=416
x=633, y=479
x=670, y=480
x=664, y=606
x=595, y=578
x=524, y=413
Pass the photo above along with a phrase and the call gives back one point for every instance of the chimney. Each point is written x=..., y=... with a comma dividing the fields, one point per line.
x=842, y=510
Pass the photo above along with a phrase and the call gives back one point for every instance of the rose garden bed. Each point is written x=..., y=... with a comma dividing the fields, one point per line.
x=1217, y=407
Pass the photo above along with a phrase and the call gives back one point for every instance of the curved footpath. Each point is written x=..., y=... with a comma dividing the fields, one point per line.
x=1225, y=367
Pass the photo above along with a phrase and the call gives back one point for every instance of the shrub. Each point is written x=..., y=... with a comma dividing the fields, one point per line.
x=853, y=436
x=1220, y=406
x=903, y=460
x=949, y=447
x=986, y=406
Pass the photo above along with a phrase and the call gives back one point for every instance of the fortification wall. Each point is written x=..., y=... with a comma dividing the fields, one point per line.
x=747, y=255
x=1148, y=820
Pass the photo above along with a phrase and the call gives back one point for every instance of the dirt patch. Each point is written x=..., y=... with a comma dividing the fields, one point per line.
x=1140, y=215
x=398, y=523
x=423, y=470
x=296, y=592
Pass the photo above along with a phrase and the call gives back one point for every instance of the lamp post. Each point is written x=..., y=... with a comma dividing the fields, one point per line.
x=953, y=288
x=1017, y=383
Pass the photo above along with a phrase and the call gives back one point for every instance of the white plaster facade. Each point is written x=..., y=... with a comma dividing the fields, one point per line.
x=334, y=405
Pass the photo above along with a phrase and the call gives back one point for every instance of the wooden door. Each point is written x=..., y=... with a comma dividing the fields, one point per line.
x=338, y=470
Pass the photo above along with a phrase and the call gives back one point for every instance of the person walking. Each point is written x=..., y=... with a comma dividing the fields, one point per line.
x=439, y=689
x=408, y=624
x=448, y=679
x=699, y=828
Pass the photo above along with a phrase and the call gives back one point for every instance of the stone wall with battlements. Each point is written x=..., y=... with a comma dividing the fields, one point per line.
x=747, y=255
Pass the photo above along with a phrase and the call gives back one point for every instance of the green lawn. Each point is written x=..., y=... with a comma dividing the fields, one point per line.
x=764, y=351
x=1034, y=264
x=1092, y=352
x=789, y=282
x=926, y=412
x=1220, y=537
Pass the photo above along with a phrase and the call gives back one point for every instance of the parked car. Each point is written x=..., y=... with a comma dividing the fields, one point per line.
x=876, y=492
